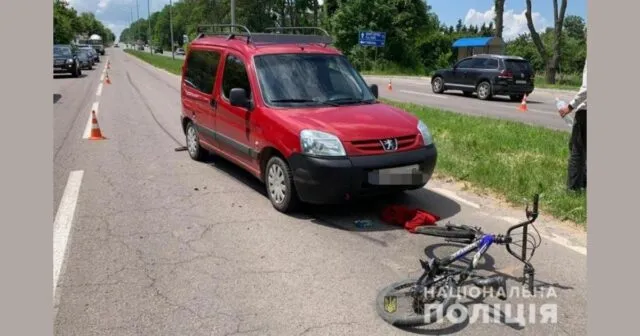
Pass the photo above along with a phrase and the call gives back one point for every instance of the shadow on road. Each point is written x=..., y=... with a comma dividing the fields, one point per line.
x=56, y=97
x=343, y=216
x=502, y=99
x=63, y=75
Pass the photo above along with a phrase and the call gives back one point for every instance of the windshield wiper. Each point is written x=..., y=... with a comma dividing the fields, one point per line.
x=341, y=101
x=294, y=101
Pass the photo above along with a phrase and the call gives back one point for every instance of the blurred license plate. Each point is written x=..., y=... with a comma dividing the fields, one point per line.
x=404, y=175
x=521, y=82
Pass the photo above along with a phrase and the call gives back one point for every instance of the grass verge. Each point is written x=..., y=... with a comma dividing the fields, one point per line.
x=507, y=158
x=160, y=61
x=510, y=159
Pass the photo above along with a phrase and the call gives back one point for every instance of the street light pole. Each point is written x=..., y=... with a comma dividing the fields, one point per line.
x=149, y=25
x=173, y=54
x=233, y=14
x=137, y=20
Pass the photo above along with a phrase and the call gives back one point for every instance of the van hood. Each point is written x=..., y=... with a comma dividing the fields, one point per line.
x=355, y=122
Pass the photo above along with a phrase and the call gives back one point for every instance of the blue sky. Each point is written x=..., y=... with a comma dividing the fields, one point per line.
x=116, y=14
x=479, y=11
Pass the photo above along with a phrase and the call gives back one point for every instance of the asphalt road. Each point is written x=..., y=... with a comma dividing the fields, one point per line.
x=157, y=244
x=541, y=110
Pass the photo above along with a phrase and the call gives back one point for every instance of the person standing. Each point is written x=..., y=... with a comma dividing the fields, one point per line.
x=577, y=166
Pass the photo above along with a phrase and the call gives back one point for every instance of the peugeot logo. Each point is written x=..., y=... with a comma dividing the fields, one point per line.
x=389, y=145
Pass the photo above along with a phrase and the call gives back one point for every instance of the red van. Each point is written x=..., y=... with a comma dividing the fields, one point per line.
x=294, y=112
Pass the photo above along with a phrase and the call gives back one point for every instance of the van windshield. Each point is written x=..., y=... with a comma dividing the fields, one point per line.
x=310, y=79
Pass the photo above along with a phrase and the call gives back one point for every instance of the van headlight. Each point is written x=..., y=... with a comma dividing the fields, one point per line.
x=319, y=143
x=426, y=134
x=70, y=60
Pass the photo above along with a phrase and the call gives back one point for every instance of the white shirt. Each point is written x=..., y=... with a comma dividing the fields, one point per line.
x=579, y=102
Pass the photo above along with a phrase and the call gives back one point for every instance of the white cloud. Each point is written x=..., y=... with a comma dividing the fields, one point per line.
x=514, y=23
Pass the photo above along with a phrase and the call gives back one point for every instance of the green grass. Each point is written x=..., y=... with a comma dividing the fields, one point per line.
x=160, y=61
x=506, y=158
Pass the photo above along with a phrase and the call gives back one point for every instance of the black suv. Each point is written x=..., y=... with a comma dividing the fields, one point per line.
x=487, y=75
x=65, y=59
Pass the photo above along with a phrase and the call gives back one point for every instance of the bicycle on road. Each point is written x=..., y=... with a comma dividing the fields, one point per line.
x=441, y=281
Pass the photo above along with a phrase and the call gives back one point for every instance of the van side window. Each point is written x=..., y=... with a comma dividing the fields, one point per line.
x=202, y=68
x=235, y=76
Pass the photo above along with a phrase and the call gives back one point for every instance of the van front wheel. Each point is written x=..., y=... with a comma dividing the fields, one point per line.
x=280, y=187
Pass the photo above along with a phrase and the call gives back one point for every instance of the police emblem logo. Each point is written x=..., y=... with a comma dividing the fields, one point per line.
x=390, y=304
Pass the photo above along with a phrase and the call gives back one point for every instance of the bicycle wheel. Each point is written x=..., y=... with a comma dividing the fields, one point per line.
x=446, y=232
x=407, y=313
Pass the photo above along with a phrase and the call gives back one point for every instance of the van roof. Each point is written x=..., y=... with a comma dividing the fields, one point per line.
x=266, y=43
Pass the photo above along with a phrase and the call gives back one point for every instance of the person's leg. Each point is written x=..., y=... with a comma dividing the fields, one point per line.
x=576, y=178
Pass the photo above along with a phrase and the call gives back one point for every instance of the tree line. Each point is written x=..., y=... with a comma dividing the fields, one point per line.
x=67, y=24
x=417, y=41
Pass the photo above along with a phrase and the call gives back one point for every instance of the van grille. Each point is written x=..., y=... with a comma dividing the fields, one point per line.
x=368, y=147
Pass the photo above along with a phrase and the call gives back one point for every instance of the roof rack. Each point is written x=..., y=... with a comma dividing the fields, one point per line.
x=268, y=38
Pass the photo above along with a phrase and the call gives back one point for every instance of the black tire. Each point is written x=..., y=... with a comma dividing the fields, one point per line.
x=516, y=98
x=483, y=90
x=196, y=152
x=446, y=232
x=437, y=84
x=278, y=177
x=411, y=318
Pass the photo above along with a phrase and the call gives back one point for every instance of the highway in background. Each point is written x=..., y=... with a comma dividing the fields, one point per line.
x=541, y=109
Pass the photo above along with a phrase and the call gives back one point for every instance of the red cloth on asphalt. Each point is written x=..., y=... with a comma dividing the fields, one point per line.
x=409, y=218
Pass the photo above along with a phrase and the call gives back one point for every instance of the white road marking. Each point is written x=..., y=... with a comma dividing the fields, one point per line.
x=453, y=195
x=102, y=76
x=87, y=130
x=99, y=91
x=424, y=94
x=62, y=224
x=562, y=241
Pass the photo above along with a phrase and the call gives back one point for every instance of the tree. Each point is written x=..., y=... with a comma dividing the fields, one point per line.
x=552, y=61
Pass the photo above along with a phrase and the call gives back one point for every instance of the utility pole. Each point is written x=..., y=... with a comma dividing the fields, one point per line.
x=173, y=54
x=149, y=25
x=131, y=24
x=233, y=14
x=137, y=20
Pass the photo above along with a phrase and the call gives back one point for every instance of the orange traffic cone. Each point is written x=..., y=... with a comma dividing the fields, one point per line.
x=389, y=86
x=106, y=79
x=523, y=104
x=96, y=134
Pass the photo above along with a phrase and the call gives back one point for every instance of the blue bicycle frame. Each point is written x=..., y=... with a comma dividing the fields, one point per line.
x=481, y=244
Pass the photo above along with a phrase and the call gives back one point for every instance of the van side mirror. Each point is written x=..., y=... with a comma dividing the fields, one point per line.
x=374, y=90
x=238, y=97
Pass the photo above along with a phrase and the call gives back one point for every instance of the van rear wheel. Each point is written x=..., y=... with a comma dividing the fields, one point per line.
x=280, y=187
x=196, y=152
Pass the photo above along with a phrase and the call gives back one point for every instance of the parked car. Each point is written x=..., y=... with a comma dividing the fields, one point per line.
x=179, y=51
x=116, y=46
x=64, y=60
x=487, y=75
x=300, y=119
x=95, y=56
x=158, y=50
x=85, y=59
